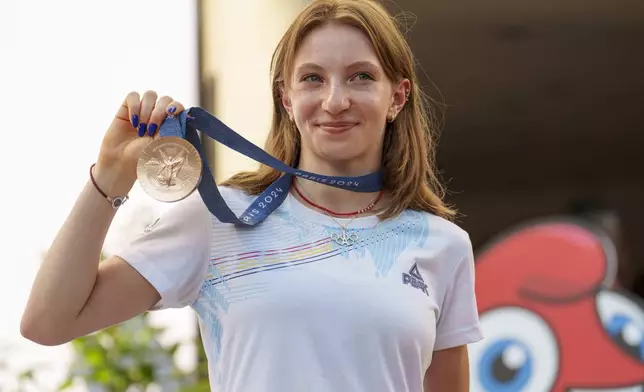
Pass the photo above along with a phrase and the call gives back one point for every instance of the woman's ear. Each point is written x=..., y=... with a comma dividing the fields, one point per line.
x=400, y=97
x=286, y=101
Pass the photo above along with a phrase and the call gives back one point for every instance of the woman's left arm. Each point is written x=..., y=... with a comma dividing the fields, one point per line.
x=449, y=371
x=457, y=325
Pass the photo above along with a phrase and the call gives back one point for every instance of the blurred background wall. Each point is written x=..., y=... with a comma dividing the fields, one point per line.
x=543, y=104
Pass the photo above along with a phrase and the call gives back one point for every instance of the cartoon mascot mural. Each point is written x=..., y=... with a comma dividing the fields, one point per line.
x=551, y=317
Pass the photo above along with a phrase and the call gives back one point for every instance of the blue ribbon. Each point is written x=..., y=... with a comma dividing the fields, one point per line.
x=186, y=124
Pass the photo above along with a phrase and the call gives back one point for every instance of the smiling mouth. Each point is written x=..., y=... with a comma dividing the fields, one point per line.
x=634, y=388
x=337, y=127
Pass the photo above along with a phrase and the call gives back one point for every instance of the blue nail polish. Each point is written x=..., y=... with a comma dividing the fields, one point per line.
x=172, y=109
x=141, y=129
x=152, y=129
x=135, y=121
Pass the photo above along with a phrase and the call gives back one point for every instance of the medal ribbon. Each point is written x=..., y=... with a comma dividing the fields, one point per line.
x=186, y=124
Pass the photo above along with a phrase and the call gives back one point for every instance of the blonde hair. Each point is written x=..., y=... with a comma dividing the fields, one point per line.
x=408, y=160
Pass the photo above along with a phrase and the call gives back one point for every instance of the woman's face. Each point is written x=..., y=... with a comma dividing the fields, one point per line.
x=340, y=97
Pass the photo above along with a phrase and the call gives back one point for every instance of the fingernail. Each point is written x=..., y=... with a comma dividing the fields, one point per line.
x=172, y=109
x=135, y=121
x=152, y=129
x=141, y=129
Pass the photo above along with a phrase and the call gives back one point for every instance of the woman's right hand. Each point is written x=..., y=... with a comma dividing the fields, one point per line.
x=136, y=122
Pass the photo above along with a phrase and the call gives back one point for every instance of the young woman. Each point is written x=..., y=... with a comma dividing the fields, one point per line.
x=286, y=306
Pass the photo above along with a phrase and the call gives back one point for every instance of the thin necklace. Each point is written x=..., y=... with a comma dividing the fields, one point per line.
x=366, y=208
x=344, y=237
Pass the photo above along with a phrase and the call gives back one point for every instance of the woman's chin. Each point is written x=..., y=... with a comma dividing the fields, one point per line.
x=342, y=155
x=349, y=152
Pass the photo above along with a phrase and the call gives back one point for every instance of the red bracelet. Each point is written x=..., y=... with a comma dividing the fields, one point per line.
x=115, y=201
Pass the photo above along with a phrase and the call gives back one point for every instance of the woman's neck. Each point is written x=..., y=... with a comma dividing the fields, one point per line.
x=332, y=198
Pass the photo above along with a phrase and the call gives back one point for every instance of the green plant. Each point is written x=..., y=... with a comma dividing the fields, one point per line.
x=128, y=357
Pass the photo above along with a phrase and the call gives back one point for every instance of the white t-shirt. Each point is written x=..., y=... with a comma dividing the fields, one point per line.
x=283, y=308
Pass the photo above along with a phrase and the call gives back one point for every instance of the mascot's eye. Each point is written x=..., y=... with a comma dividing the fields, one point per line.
x=623, y=319
x=518, y=354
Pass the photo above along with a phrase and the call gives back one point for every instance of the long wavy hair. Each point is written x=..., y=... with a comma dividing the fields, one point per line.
x=408, y=159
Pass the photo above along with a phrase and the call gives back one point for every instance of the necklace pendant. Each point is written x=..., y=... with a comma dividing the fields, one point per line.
x=344, y=238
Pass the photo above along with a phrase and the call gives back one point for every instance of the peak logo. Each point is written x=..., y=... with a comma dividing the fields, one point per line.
x=414, y=279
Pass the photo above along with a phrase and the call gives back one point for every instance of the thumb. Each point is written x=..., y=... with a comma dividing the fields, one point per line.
x=135, y=147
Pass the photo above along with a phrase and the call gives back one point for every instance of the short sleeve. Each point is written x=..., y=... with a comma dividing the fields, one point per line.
x=173, y=253
x=458, y=323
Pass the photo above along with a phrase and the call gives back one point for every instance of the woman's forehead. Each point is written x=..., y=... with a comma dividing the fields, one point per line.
x=335, y=45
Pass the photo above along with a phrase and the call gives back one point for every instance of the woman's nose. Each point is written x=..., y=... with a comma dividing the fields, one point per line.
x=337, y=98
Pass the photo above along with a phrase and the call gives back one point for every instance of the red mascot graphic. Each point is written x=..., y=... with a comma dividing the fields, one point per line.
x=552, y=321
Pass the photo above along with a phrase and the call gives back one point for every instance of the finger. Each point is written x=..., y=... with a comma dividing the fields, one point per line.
x=134, y=106
x=158, y=115
x=174, y=108
x=129, y=109
x=148, y=102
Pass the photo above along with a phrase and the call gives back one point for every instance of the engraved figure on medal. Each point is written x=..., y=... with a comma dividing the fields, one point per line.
x=170, y=164
x=169, y=169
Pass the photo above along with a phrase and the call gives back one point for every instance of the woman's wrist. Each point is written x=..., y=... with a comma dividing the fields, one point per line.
x=109, y=183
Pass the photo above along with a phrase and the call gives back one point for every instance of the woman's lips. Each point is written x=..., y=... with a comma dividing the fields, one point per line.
x=337, y=126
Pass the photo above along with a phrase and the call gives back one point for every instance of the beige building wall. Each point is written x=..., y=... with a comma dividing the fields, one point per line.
x=238, y=39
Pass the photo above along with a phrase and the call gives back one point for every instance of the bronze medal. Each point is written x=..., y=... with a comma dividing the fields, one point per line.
x=169, y=169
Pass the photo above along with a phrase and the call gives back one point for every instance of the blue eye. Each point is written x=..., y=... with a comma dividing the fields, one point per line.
x=312, y=78
x=506, y=365
x=363, y=76
x=518, y=354
x=626, y=334
x=623, y=320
